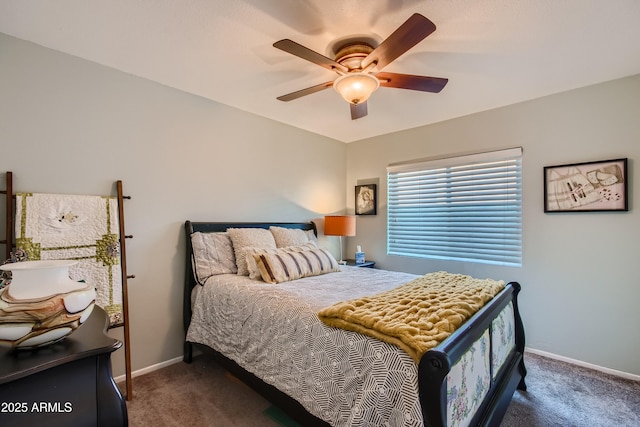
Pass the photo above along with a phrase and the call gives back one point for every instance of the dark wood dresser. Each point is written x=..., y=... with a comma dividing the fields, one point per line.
x=68, y=383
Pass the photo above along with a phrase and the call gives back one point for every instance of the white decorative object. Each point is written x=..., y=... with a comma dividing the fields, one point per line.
x=42, y=304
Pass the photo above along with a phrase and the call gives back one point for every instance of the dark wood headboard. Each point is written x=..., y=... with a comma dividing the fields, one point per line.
x=219, y=227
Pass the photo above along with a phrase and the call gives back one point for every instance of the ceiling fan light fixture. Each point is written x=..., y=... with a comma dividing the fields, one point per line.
x=356, y=87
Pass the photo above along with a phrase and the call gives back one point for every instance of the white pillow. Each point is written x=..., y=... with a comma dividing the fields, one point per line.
x=289, y=236
x=243, y=238
x=311, y=235
x=212, y=254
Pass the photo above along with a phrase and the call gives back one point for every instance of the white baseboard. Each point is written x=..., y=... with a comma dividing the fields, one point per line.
x=149, y=369
x=584, y=364
x=609, y=371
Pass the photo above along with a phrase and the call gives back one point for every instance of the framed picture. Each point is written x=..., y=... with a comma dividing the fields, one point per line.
x=366, y=199
x=586, y=187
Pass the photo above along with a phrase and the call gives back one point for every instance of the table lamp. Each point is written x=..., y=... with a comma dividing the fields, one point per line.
x=340, y=225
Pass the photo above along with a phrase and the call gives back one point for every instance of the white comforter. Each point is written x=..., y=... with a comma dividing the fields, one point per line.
x=273, y=331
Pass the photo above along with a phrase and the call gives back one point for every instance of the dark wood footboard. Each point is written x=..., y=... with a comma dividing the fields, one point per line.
x=436, y=364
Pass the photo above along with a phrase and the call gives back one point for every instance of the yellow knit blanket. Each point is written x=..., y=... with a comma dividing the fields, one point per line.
x=418, y=315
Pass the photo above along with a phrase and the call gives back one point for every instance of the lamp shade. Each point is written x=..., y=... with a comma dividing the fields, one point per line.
x=356, y=88
x=340, y=225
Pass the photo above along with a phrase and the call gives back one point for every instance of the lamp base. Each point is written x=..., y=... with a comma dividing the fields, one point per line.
x=341, y=262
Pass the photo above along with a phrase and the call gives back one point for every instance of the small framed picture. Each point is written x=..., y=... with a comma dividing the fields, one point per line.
x=586, y=187
x=366, y=203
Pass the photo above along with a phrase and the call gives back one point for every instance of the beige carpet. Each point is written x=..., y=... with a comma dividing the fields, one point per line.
x=564, y=395
x=199, y=394
x=559, y=394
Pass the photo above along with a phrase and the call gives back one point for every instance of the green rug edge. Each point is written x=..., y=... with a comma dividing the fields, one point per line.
x=280, y=417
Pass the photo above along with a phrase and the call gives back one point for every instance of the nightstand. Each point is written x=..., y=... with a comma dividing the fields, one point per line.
x=366, y=264
x=68, y=383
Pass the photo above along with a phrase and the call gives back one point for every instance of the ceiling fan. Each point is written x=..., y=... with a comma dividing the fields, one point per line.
x=358, y=64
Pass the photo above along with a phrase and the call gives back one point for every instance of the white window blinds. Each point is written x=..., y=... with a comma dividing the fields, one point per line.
x=466, y=208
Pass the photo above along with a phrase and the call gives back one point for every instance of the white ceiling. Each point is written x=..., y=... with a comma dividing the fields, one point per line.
x=494, y=52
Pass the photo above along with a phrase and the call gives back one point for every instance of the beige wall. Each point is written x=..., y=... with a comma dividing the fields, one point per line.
x=579, y=275
x=71, y=126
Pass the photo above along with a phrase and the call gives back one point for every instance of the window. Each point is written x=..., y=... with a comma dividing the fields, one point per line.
x=466, y=208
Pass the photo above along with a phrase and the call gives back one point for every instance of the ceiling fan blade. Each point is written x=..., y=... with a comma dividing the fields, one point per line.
x=308, y=91
x=409, y=34
x=407, y=81
x=300, y=51
x=358, y=110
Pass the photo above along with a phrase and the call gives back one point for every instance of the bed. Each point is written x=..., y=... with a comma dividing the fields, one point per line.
x=270, y=337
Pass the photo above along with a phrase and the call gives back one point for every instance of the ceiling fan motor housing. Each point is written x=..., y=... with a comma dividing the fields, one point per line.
x=352, y=54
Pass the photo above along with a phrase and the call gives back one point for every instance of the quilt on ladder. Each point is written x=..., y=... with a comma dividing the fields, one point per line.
x=83, y=228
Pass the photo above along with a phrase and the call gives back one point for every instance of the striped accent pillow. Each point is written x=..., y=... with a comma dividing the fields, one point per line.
x=252, y=266
x=285, y=265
